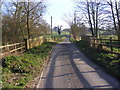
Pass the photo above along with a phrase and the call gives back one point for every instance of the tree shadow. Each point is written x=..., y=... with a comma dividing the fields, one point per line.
x=78, y=55
x=74, y=53
x=50, y=75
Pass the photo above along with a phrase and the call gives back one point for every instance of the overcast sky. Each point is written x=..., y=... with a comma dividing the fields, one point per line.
x=57, y=9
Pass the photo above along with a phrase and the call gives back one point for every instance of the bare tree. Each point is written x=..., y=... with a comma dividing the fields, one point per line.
x=115, y=16
x=33, y=12
x=93, y=11
x=77, y=27
x=22, y=19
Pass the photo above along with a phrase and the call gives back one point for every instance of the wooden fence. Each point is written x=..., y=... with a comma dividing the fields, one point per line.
x=12, y=48
x=21, y=47
x=110, y=45
x=26, y=44
x=30, y=43
x=56, y=38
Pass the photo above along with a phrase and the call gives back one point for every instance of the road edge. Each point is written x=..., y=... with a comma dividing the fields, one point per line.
x=43, y=69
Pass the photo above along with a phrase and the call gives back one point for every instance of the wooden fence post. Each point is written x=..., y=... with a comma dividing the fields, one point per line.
x=26, y=44
x=16, y=48
x=101, y=43
x=54, y=38
x=93, y=42
x=100, y=40
x=8, y=48
x=111, y=44
x=90, y=41
x=21, y=45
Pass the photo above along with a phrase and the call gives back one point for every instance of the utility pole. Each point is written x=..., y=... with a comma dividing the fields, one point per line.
x=51, y=26
x=75, y=17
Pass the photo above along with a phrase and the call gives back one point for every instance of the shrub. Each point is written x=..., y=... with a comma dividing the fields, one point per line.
x=102, y=58
x=19, y=70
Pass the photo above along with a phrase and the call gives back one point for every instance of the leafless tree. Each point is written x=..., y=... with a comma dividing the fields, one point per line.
x=115, y=15
x=23, y=19
x=77, y=27
x=93, y=11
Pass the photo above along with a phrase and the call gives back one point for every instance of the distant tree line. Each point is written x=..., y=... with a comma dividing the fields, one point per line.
x=101, y=14
x=22, y=20
x=77, y=28
x=96, y=15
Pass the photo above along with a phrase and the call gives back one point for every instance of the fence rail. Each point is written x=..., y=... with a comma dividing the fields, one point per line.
x=27, y=44
x=12, y=48
x=108, y=45
x=20, y=47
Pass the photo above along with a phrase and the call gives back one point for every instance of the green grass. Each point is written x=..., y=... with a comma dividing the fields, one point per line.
x=113, y=42
x=19, y=70
x=65, y=33
x=62, y=33
x=56, y=38
x=110, y=62
x=55, y=34
x=108, y=36
x=116, y=43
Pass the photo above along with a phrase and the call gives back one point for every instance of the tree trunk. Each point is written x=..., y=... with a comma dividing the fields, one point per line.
x=97, y=20
x=93, y=18
x=90, y=22
x=117, y=11
x=28, y=28
x=111, y=4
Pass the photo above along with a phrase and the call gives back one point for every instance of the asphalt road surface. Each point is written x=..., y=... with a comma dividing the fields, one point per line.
x=69, y=68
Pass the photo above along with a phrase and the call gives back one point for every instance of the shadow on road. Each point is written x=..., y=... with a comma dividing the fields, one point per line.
x=73, y=53
x=78, y=55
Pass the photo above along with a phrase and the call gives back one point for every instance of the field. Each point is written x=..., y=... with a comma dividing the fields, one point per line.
x=108, y=36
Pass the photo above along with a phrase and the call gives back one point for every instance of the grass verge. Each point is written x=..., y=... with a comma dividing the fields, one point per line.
x=109, y=62
x=19, y=70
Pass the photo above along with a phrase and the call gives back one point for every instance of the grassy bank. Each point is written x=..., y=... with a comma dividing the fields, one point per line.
x=109, y=62
x=19, y=70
